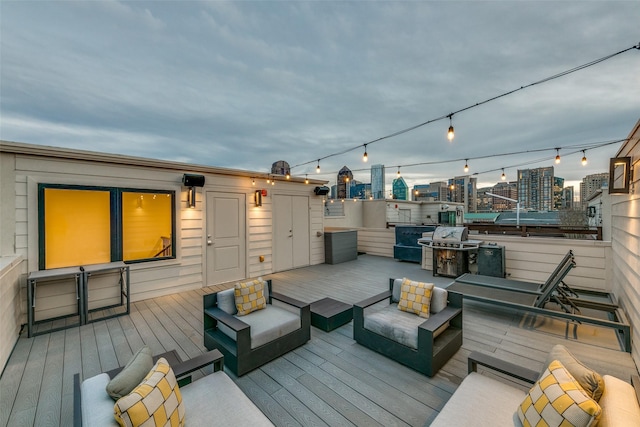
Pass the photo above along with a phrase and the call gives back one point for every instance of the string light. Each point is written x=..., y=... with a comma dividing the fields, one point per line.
x=318, y=167
x=450, y=134
x=466, y=165
x=398, y=171
x=288, y=175
x=557, y=156
x=253, y=181
x=584, y=158
x=503, y=177
x=269, y=179
x=306, y=179
x=365, y=156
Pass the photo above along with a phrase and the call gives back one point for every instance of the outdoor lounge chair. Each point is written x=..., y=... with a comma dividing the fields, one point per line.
x=251, y=340
x=422, y=344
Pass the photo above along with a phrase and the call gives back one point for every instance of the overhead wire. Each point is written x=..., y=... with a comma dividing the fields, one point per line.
x=451, y=114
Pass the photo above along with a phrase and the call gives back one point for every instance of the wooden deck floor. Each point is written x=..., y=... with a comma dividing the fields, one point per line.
x=329, y=381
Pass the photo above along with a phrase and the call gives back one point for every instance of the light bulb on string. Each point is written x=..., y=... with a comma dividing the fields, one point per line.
x=253, y=181
x=466, y=165
x=288, y=175
x=584, y=158
x=450, y=133
x=503, y=177
x=365, y=156
x=318, y=167
x=269, y=179
x=398, y=171
x=557, y=156
x=306, y=179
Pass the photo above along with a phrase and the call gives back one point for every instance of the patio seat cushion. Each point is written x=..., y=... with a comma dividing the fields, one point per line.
x=156, y=401
x=588, y=379
x=267, y=325
x=557, y=399
x=399, y=326
x=250, y=296
x=97, y=406
x=619, y=404
x=227, y=301
x=132, y=374
x=415, y=297
x=481, y=401
x=216, y=400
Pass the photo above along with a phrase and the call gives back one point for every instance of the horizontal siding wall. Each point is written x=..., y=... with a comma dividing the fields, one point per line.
x=376, y=241
x=625, y=237
x=12, y=271
x=533, y=259
x=157, y=278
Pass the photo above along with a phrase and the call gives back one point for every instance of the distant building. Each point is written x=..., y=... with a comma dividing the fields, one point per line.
x=558, y=193
x=422, y=192
x=377, y=181
x=280, y=168
x=360, y=190
x=567, y=198
x=462, y=189
x=343, y=183
x=535, y=188
x=504, y=189
x=440, y=190
x=590, y=184
x=400, y=189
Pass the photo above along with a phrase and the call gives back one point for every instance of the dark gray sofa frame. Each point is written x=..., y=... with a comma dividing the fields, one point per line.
x=239, y=357
x=433, y=352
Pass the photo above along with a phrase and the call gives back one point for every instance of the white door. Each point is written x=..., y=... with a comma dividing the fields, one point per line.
x=226, y=256
x=290, y=232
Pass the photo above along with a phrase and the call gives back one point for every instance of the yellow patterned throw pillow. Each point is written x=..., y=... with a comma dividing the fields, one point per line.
x=557, y=399
x=250, y=296
x=156, y=401
x=415, y=297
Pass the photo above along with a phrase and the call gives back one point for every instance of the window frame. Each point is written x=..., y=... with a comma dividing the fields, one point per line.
x=115, y=219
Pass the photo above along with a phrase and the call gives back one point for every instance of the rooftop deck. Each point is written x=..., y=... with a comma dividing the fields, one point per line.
x=329, y=381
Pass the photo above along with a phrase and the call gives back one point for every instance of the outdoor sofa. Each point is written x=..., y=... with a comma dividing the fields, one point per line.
x=261, y=333
x=483, y=400
x=213, y=399
x=423, y=344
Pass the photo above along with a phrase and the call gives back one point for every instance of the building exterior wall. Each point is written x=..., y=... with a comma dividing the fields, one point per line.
x=590, y=184
x=625, y=240
x=31, y=165
x=377, y=182
x=12, y=269
x=535, y=188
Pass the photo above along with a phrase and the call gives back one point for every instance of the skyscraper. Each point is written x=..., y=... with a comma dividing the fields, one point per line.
x=590, y=184
x=535, y=188
x=377, y=181
x=400, y=189
x=463, y=189
x=344, y=180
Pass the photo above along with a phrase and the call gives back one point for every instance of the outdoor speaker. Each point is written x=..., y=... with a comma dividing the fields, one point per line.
x=190, y=180
x=321, y=191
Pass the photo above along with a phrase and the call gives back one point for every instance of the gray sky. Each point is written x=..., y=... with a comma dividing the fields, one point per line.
x=244, y=84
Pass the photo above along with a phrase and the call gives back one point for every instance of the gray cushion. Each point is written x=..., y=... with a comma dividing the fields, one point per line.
x=481, y=401
x=216, y=400
x=589, y=380
x=438, y=300
x=97, y=406
x=399, y=326
x=132, y=374
x=227, y=301
x=266, y=325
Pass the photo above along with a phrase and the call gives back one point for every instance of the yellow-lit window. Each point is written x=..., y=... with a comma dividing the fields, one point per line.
x=76, y=227
x=94, y=225
x=146, y=225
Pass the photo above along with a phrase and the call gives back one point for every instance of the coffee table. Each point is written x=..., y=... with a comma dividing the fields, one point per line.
x=328, y=314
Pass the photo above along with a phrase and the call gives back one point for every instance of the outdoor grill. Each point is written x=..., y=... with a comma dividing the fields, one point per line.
x=451, y=247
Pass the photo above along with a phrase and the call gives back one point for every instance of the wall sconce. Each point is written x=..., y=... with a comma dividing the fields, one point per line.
x=191, y=197
x=620, y=175
x=192, y=181
x=257, y=195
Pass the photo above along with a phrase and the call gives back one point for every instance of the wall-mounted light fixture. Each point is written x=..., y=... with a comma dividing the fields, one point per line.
x=192, y=181
x=620, y=175
x=258, y=198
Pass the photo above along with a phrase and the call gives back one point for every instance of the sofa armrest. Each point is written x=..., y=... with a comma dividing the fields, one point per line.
x=183, y=370
x=439, y=319
x=222, y=316
x=372, y=300
x=519, y=372
x=288, y=300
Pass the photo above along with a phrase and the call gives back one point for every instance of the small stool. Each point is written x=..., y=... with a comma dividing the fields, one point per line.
x=328, y=314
